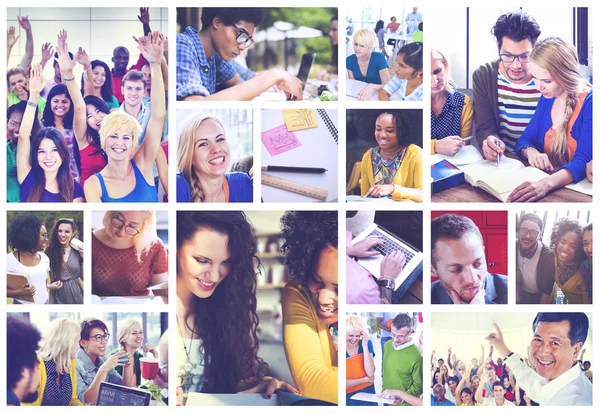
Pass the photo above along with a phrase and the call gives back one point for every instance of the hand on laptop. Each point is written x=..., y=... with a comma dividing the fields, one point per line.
x=362, y=249
x=391, y=265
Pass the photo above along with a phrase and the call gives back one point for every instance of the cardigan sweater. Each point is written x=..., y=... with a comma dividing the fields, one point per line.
x=44, y=378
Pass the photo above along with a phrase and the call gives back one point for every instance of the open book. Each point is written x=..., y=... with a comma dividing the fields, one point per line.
x=501, y=180
x=16, y=281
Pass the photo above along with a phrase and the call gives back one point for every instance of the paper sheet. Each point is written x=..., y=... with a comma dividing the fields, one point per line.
x=374, y=398
x=299, y=119
x=468, y=154
x=279, y=140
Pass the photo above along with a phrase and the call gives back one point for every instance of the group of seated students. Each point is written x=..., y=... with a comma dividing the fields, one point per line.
x=98, y=141
x=371, y=67
x=565, y=265
x=532, y=103
x=72, y=360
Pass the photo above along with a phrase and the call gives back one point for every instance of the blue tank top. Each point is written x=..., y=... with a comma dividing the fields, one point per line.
x=141, y=193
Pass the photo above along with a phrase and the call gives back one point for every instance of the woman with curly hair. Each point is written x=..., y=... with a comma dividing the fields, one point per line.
x=66, y=263
x=393, y=167
x=566, y=240
x=310, y=301
x=27, y=238
x=217, y=344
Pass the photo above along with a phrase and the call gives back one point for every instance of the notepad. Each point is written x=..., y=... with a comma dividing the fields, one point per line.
x=299, y=119
x=279, y=140
x=466, y=155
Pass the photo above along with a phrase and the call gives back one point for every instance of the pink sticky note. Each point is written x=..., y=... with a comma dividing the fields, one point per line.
x=279, y=140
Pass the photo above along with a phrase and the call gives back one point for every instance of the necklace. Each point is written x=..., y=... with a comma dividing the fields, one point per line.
x=187, y=375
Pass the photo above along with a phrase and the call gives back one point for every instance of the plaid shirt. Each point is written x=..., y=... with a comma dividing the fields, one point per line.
x=197, y=75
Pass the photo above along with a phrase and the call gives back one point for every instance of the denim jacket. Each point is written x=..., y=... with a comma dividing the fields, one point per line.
x=86, y=372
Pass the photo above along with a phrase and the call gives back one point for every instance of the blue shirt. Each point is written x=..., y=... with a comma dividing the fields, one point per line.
x=496, y=291
x=11, y=398
x=240, y=188
x=142, y=192
x=450, y=118
x=446, y=402
x=398, y=86
x=377, y=62
x=361, y=350
x=144, y=117
x=86, y=372
x=197, y=75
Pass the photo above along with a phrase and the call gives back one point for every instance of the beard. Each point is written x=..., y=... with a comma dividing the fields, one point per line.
x=467, y=300
x=30, y=398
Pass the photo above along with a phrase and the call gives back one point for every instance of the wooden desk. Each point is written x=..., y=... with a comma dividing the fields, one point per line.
x=467, y=193
x=414, y=295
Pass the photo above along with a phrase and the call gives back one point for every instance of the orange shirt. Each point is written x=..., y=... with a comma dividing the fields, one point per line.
x=571, y=143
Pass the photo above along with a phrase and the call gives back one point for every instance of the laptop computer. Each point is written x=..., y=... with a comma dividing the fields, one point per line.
x=116, y=395
x=414, y=257
x=305, y=67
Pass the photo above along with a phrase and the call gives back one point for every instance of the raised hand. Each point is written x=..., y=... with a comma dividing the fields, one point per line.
x=24, y=23
x=165, y=44
x=144, y=15
x=83, y=59
x=36, y=80
x=151, y=47
x=11, y=38
x=47, y=52
x=62, y=49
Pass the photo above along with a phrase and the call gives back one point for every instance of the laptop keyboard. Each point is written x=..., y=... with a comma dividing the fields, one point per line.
x=389, y=246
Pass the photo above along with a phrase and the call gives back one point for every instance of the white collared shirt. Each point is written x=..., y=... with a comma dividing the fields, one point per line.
x=402, y=346
x=571, y=388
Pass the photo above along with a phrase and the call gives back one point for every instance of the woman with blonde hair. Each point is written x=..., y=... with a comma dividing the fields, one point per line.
x=130, y=338
x=58, y=376
x=203, y=158
x=360, y=364
x=129, y=174
x=366, y=66
x=451, y=110
x=558, y=139
x=127, y=255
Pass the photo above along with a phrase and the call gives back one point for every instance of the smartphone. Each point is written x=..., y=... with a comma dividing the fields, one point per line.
x=305, y=65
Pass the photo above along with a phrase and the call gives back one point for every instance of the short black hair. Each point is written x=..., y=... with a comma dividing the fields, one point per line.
x=56, y=58
x=533, y=218
x=452, y=226
x=452, y=378
x=587, y=363
x=24, y=233
x=442, y=360
x=412, y=54
x=88, y=325
x=22, y=340
x=306, y=235
x=516, y=26
x=466, y=390
x=231, y=15
x=587, y=227
x=578, y=324
x=403, y=320
x=498, y=383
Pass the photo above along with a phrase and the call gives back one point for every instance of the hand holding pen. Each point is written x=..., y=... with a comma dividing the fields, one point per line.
x=493, y=148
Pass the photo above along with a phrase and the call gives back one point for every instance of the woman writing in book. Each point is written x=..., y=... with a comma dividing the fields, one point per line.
x=407, y=85
x=66, y=263
x=129, y=175
x=360, y=365
x=58, y=374
x=45, y=176
x=451, y=110
x=131, y=339
x=127, y=255
x=392, y=168
x=203, y=158
x=216, y=306
x=310, y=301
x=366, y=66
x=27, y=238
x=558, y=139
x=566, y=240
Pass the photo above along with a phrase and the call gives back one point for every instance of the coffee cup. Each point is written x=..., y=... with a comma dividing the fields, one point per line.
x=149, y=367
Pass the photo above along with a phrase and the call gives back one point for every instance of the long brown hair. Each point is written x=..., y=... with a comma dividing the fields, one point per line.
x=54, y=251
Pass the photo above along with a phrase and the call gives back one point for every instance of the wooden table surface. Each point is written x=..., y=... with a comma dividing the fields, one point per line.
x=414, y=295
x=467, y=193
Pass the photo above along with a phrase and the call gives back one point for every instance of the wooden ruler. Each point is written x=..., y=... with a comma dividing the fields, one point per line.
x=295, y=187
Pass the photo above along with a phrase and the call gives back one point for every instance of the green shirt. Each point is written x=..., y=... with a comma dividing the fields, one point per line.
x=403, y=370
x=13, y=190
x=13, y=98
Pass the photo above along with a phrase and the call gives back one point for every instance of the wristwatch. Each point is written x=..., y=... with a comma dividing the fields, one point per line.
x=389, y=284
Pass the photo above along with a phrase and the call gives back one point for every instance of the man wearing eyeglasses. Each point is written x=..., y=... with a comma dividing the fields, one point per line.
x=535, y=263
x=504, y=93
x=203, y=58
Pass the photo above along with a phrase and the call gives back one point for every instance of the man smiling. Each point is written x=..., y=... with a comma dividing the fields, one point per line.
x=203, y=58
x=458, y=259
x=556, y=379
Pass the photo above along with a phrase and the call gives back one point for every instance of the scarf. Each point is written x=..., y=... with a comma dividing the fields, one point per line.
x=565, y=272
x=56, y=394
x=333, y=330
x=384, y=169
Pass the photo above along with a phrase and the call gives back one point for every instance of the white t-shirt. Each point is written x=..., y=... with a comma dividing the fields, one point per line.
x=190, y=373
x=37, y=276
x=492, y=402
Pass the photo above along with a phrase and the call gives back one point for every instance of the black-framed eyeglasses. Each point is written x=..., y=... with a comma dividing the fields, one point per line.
x=532, y=232
x=101, y=337
x=509, y=58
x=244, y=37
x=129, y=230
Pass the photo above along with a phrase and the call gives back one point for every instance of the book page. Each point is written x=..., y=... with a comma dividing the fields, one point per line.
x=502, y=184
x=584, y=186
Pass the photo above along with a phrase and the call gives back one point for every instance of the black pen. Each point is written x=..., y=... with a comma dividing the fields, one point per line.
x=300, y=169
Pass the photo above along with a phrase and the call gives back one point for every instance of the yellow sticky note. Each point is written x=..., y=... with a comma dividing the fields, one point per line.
x=298, y=119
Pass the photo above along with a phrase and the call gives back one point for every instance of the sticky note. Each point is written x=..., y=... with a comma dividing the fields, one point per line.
x=298, y=119
x=279, y=140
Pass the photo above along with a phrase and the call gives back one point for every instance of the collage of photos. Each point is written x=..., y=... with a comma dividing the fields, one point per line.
x=320, y=95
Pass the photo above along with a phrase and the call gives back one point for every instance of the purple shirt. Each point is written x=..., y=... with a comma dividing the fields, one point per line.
x=47, y=196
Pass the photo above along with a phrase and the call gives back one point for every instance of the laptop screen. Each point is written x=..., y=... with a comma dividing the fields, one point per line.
x=305, y=66
x=115, y=395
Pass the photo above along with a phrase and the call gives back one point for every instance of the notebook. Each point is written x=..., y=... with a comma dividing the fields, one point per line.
x=318, y=148
x=414, y=257
x=354, y=86
x=16, y=281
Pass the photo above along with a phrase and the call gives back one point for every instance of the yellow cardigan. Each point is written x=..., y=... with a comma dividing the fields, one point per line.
x=44, y=378
x=574, y=289
x=410, y=174
x=466, y=122
x=309, y=349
